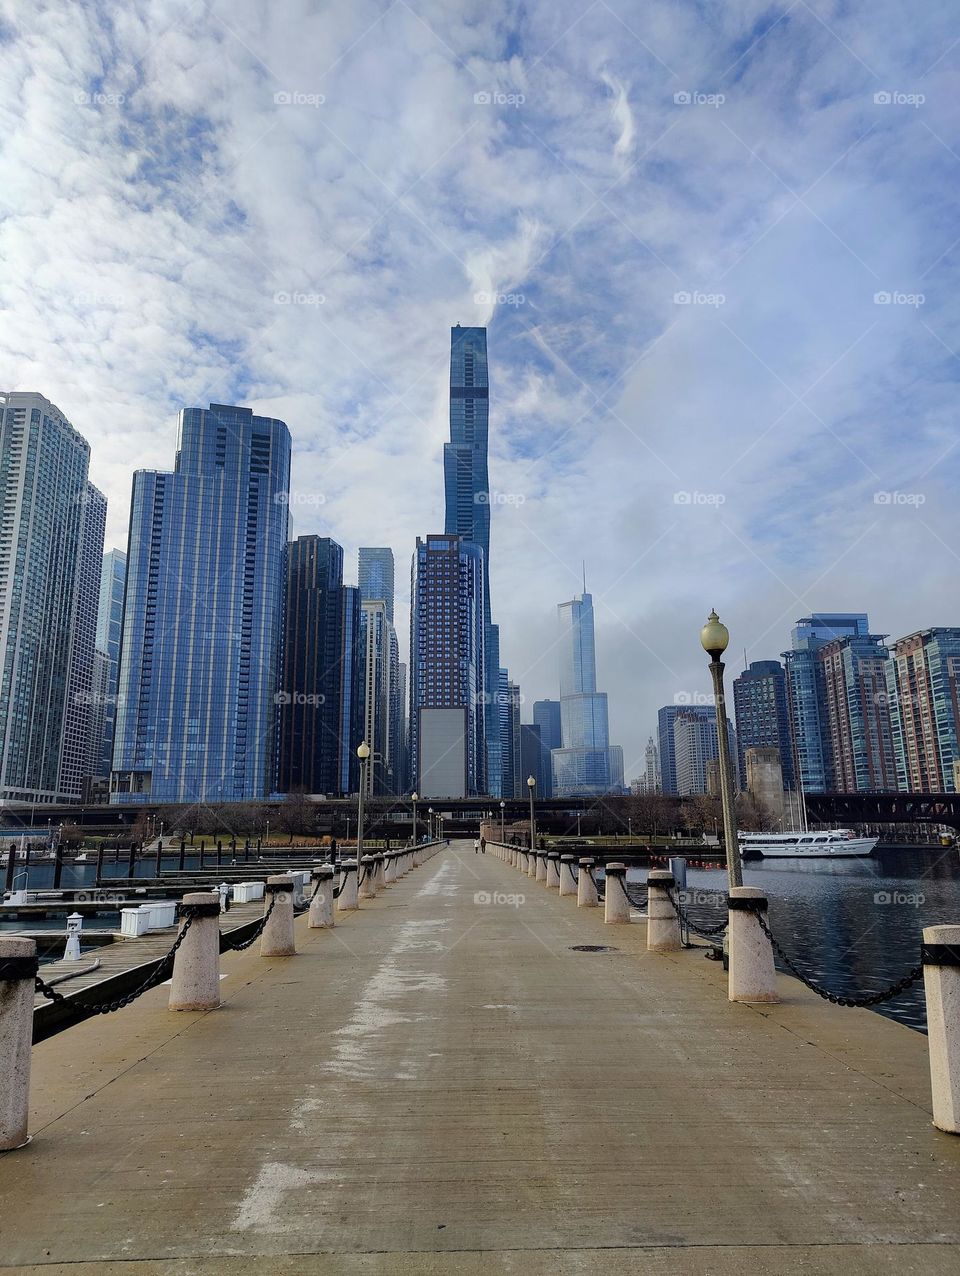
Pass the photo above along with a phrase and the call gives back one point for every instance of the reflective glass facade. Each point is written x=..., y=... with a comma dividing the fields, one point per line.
x=203, y=614
x=763, y=719
x=923, y=692
x=585, y=764
x=113, y=578
x=375, y=576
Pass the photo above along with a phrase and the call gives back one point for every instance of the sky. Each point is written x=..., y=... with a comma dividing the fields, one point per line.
x=716, y=247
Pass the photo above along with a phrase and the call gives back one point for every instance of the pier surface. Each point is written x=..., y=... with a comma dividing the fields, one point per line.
x=443, y=1085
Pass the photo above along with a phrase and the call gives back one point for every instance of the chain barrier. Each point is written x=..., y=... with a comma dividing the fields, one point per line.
x=574, y=871
x=84, y=1011
x=705, y=932
x=599, y=887
x=633, y=898
x=868, y=999
x=237, y=946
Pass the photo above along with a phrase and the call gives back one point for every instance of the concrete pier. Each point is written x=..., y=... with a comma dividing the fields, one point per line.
x=443, y=1084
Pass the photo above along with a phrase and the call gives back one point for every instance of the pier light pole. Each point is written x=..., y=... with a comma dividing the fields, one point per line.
x=531, y=786
x=430, y=824
x=413, y=799
x=714, y=637
x=363, y=753
x=502, y=809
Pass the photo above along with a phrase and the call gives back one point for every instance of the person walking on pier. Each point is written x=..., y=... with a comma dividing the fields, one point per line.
x=483, y=846
x=476, y=846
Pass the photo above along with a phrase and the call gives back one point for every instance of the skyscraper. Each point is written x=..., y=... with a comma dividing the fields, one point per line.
x=375, y=576
x=381, y=673
x=923, y=691
x=763, y=718
x=113, y=578
x=508, y=704
x=668, y=757
x=447, y=693
x=546, y=715
x=467, y=494
x=695, y=747
x=585, y=763
x=533, y=760
x=50, y=521
x=203, y=616
x=349, y=665
x=856, y=715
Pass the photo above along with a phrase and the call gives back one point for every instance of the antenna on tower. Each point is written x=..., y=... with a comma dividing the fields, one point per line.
x=584, y=575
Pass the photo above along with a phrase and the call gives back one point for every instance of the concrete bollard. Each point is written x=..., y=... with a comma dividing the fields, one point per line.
x=532, y=860
x=751, y=975
x=390, y=869
x=663, y=924
x=321, y=904
x=380, y=872
x=417, y=858
x=941, y=986
x=553, y=870
x=18, y=969
x=368, y=880
x=278, y=939
x=348, y=900
x=568, y=883
x=586, y=887
x=540, y=875
x=195, y=982
x=616, y=906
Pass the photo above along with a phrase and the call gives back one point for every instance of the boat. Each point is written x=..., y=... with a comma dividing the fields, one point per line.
x=800, y=845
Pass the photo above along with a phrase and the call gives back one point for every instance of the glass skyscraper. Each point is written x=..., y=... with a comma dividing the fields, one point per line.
x=585, y=764
x=763, y=718
x=51, y=541
x=375, y=576
x=467, y=494
x=113, y=579
x=203, y=614
x=923, y=692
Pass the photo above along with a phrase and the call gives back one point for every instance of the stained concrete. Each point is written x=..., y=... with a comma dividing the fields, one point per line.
x=440, y=1085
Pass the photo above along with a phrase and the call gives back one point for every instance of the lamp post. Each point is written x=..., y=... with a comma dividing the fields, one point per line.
x=413, y=799
x=430, y=824
x=363, y=753
x=502, y=809
x=714, y=637
x=531, y=786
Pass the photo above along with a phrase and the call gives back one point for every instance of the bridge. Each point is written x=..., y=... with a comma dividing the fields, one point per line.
x=481, y=1070
x=884, y=808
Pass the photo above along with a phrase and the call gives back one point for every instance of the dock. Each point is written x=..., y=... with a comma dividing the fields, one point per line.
x=471, y=1075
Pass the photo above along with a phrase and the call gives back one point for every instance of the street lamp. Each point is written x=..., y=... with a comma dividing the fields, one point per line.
x=531, y=785
x=363, y=753
x=502, y=807
x=714, y=637
x=430, y=824
x=413, y=799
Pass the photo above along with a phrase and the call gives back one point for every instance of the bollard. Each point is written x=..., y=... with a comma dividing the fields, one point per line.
x=751, y=974
x=532, y=860
x=553, y=870
x=321, y=904
x=616, y=907
x=277, y=939
x=940, y=955
x=524, y=863
x=368, y=880
x=347, y=900
x=18, y=969
x=195, y=982
x=586, y=886
x=379, y=872
x=74, y=931
x=390, y=869
x=568, y=883
x=663, y=924
x=540, y=875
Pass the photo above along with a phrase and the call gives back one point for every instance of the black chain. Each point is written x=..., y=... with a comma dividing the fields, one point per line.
x=705, y=932
x=85, y=1010
x=229, y=945
x=574, y=871
x=869, y=999
x=632, y=898
x=601, y=890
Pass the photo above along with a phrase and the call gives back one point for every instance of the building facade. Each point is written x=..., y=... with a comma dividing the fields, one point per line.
x=375, y=576
x=762, y=715
x=666, y=718
x=113, y=579
x=585, y=763
x=381, y=692
x=203, y=615
x=50, y=521
x=923, y=693
x=856, y=715
x=509, y=716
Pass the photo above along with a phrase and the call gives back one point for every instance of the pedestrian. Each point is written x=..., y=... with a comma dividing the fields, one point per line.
x=476, y=846
x=483, y=846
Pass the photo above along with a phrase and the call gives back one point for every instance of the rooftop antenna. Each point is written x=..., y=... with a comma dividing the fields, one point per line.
x=584, y=575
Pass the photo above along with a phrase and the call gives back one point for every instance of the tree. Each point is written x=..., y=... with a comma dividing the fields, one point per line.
x=71, y=835
x=296, y=815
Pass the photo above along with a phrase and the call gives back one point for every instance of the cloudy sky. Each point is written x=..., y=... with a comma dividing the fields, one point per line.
x=716, y=246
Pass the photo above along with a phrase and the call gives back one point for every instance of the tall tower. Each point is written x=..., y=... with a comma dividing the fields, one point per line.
x=50, y=520
x=113, y=579
x=375, y=576
x=467, y=493
x=203, y=614
x=585, y=764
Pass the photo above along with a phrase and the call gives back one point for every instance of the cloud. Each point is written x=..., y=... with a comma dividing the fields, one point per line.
x=622, y=117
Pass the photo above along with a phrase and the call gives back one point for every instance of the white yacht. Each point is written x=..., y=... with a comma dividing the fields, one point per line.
x=833, y=844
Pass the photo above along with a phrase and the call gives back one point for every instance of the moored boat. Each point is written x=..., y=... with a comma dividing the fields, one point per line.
x=829, y=844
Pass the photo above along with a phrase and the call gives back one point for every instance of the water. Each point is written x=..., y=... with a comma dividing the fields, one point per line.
x=854, y=926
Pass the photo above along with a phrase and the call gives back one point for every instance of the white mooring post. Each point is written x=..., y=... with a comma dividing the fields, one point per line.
x=277, y=939
x=568, y=883
x=379, y=872
x=195, y=982
x=74, y=931
x=616, y=906
x=368, y=883
x=348, y=900
x=390, y=869
x=941, y=986
x=586, y=887
x=321, y=902
x=751, y=975
x=18, y=969
x=663, y=925
x=553, y=870
x=540, y=875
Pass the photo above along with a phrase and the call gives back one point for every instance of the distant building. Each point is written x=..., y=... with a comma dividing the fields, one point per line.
x=546, y=716
x=511, y=779
x=203, y=617
x=113, y=579
x=695, y=746
x=349, y=677
x=375, y=575
x=534, y=760
x=651, y=771
x=762, y=715
x=923, y=693
x=856, y=715
x=764, y=781
x=585, y=764
x=667, y=747
x=81, y=742
x=381, y=673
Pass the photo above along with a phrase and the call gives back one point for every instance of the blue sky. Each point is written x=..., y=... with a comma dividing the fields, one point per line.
x=716, y=246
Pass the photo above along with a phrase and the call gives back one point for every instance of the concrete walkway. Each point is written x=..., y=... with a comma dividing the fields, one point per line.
x=441, y=1085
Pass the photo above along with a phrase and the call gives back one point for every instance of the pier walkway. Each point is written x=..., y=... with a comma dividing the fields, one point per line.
x=442, y=1084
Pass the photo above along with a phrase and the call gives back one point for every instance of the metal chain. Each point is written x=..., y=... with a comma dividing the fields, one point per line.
x=229, y=945
x=85, y=1010
x=705, y=932
x=596, y=885
x=632, y=898
x=869, y=999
